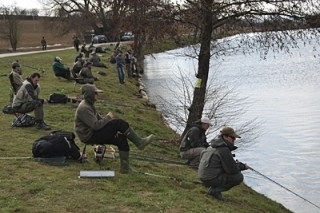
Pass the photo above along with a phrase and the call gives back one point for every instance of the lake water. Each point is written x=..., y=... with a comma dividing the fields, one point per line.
x=284, y=90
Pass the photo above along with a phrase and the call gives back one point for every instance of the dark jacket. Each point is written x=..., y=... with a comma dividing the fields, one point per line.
x=217, y=160
x=194, y=138
x=58, y=68
x=87, y=119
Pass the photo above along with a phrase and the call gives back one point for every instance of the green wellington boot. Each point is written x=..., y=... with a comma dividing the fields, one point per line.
x=125, y=167
x=141, y=143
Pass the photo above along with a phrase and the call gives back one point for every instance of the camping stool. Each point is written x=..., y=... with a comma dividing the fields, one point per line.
x=98, y=157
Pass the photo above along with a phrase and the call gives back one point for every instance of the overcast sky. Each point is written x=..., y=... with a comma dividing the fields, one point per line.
x=23, y=4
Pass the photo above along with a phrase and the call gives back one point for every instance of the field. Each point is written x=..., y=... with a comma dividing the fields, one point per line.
x=31, y=35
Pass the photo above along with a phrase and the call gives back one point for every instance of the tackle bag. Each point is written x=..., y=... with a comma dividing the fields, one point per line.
x=24, y=120
x=56, y=144
x=56, y=98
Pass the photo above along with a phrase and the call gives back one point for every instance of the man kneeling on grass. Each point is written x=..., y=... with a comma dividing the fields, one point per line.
x=218, y=170
x=27, y=100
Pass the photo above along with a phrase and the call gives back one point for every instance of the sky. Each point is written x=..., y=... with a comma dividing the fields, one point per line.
x=23, y=4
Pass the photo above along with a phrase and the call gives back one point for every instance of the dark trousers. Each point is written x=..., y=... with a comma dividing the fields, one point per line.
x=224, y=182
x=66, y=75
x=108, y=135
x=35, y=106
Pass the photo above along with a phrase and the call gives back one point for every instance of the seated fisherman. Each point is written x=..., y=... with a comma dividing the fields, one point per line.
x=59, y=70
x=80, y=55
x=96, y=61
x=15, y=77
x=195, y=141
x=85, y=75
x=77, y=67
x=27, y=100
x=92, y=128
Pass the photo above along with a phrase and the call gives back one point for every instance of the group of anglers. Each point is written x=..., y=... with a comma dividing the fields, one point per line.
x=216, y=166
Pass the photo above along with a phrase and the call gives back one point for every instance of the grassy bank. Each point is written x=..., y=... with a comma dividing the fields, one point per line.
x=28, y=186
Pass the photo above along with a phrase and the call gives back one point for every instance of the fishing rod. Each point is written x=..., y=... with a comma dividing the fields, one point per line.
x=283, y=187
x=15, y=158
x=155, y=159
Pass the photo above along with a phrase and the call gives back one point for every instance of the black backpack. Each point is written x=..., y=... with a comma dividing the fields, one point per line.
x=57, y=98
x=56, y=144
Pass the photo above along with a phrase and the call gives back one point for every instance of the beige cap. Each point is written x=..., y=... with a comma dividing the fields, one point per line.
x=229, y=131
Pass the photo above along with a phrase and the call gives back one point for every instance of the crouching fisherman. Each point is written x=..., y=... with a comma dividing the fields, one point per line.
x=92, y=128
x=218, y=170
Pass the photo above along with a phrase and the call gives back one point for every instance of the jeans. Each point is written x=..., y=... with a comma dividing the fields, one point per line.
x=120, y=74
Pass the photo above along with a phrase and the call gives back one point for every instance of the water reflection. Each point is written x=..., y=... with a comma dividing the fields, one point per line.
x=284, y=91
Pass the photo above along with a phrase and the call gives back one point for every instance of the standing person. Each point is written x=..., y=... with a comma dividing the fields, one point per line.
x=59, y=70
x=44, y=44
x=218, y=170
x=76, y=43
x=27, y=100
x=127, y=60
x=195, y=141
x=15, y=77
x=92, y=128
x=119, y=66
x=134, y=65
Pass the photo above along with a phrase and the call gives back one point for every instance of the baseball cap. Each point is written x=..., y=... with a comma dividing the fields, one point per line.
x=229, y=131
x=88, y=88
x=206, y=120
x=97, y=90
x=58, y=58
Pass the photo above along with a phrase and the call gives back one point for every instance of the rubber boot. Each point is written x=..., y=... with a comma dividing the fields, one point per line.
x=125, y=167
x=216, y=194
x=141, y=143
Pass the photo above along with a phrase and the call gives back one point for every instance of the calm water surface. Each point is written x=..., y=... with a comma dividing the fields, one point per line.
x=284, y=90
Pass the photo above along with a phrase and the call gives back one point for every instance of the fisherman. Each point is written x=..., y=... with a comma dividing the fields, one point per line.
x=92, y=128
x=218, y=170
x=195, y=141
x=15, y=78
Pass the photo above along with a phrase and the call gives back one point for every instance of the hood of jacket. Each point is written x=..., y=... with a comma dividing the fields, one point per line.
x=88, y=92
x=219, y=142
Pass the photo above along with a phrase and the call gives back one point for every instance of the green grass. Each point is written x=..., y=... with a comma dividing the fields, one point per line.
x=27, y=186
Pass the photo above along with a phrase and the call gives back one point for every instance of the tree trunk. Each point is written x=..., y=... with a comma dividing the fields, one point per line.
x=196, y=108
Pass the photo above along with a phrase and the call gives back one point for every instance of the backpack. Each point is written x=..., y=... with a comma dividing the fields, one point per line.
x=56, y=144
x=24, y=120
x=57, y=98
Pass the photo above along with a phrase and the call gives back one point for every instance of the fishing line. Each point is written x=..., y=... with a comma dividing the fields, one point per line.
x=283, y=187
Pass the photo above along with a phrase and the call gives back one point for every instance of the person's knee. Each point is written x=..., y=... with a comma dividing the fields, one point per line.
x=238, y=178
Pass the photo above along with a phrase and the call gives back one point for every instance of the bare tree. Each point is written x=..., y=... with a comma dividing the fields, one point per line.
x=10, y=29
x=103, y=16
x=222, y=103
x=212, y=20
